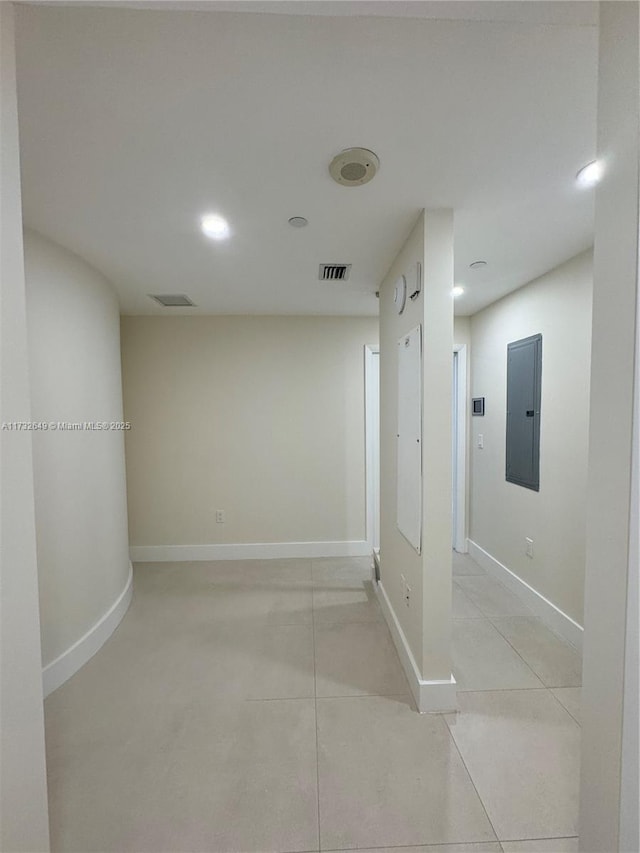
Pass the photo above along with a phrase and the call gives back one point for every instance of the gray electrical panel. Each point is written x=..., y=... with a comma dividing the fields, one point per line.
x=524, y=392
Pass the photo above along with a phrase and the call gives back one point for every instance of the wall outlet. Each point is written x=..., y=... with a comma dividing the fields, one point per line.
x=220, y=516
x=480, y=441
x=529, y=547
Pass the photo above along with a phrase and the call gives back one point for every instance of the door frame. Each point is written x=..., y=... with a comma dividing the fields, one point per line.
x=371, y=402
x=460, y=439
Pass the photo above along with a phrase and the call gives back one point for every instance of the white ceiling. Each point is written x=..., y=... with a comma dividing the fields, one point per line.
x=133, y=123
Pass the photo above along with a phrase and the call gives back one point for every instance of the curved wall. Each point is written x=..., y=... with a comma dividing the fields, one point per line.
x=79, y=474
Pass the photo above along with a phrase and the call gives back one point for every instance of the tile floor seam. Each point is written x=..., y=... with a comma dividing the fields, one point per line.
x=540, y=838
x=506, y=639
x=471, y=779
x=315, y=706
x=427, y=846
x=551, y=689
x=504, y=689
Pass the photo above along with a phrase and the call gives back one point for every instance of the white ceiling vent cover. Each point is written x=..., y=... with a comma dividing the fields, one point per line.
x=334, y=272
x=354, y=167
x=173, y=300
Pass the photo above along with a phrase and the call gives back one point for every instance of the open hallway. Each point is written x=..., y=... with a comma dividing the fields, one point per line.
x=261, y=706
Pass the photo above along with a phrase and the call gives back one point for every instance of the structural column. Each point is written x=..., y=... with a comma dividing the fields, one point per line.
x=23, y=793
x=609, y=639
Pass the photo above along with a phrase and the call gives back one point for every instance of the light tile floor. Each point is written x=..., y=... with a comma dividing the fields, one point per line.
x=246, y=707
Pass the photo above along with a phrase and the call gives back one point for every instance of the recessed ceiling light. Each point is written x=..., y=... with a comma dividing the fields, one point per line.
x=215, y=227
x=457, y=290
x=298, y=222
x=590, y=174
x=476, y=265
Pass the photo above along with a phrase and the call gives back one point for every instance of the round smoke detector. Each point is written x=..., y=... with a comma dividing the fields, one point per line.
x=354, y=167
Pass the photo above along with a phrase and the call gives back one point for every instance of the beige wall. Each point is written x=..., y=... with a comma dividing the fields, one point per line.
x=426, y=623
x=462, y=331
x=558, y=306
x=397, y=557
x=80, y=488
x=262, y=417
x=24, y=824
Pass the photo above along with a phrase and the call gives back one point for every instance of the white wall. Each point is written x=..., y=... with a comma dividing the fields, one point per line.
x=422, y=631
x=24, y=822
x=262, y=417
x=462, y=331
x=558, y=306
x=397, y=557
x=80, y=493
x=604, y=821
x=462, y=338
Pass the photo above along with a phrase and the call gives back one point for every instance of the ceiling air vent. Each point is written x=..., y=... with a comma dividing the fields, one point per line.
x=173, y=300
x=334, y=272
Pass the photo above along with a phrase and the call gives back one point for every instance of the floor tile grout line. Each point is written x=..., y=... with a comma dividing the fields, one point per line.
x=343, y=696
x=471, y=779
x=502, y=689
x=427, y=846
x=551, y=689
x=315, y=704
x=506, y=639
x=539, y=623
x=539, y=838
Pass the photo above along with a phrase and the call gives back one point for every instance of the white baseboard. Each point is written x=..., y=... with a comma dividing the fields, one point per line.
x=430, y=696
x=68, y=663
x=544, y=609
x=247, y=551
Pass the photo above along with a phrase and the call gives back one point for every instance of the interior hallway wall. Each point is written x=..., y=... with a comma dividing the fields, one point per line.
x=609, y=781
x=80, y=487
x=462, y=337
x=261, y=417
x=422, y=630
x=24, y=822
x=558, y=306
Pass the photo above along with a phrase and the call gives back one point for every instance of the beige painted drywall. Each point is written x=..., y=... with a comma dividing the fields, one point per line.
x=397, y=557
x=261, y=417
x=24, y=824
x=79, y=476
x=558, y=306
x=426, y=623
x=462, y=337
x=462, y=331
x=605, y=781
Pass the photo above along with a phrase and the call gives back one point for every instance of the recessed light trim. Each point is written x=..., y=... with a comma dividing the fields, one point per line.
x=457, y=291
x=590, y=175
x=477, y=265
x=298, y=222
x=215, y=227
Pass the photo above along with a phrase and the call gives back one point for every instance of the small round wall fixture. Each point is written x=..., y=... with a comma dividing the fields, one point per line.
x=477, y=265
x=354, y=167
x=400, y=294
x=298, y=222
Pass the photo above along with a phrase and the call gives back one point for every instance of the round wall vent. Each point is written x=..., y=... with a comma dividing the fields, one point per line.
x=354, y=167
